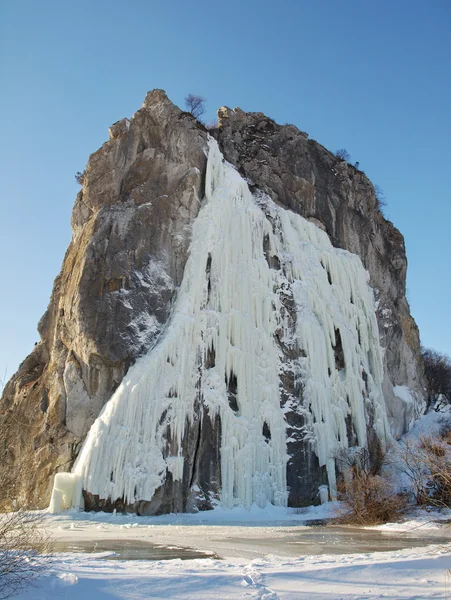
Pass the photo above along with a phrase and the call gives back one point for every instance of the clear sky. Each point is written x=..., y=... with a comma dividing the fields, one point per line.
x=371, y=77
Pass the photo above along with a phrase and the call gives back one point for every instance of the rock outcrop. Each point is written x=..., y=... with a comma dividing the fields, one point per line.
x=131, y=232
x=132, y=225
x=303, y=176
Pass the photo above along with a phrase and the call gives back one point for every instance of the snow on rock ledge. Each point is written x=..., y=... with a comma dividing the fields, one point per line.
x=222, y=350
x=409, y=406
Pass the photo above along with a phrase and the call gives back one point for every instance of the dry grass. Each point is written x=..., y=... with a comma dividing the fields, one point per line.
x=367, y=498
x=369, y=501
x=436, y=455
x=427, y=463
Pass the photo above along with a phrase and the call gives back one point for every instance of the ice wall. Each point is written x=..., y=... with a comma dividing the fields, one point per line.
x=220, y=348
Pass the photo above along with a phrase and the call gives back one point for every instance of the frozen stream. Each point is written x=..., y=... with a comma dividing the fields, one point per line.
x=220, y=542
x=132, y=538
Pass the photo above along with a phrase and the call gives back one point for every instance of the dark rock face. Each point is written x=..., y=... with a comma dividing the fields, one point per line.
x=303, y=176
x=131, y=233
x=201, y=481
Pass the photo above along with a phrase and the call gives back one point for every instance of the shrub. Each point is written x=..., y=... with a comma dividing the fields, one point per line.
x=367, y=498
x=427, y=464
x=24, y=551
x=211, y=125
x=381, y=202
x=80, y=177
x=370, y=501
x=410, y=463
x=437, y=456
x=343, y=154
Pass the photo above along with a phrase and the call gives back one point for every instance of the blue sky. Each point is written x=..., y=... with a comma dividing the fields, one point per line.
x=371, y=77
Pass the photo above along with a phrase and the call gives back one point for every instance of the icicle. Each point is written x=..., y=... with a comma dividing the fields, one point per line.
x=229, y=301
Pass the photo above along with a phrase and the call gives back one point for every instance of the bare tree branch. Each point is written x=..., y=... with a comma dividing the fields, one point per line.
x=195, y=105
x=24, y=551
x=343, y=154
x=437, y=370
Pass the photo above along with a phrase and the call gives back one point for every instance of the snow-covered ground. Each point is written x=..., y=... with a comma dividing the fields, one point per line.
x=265, y=554
x=415, y=573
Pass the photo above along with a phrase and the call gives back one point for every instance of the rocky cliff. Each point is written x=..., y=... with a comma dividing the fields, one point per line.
x=123, y=271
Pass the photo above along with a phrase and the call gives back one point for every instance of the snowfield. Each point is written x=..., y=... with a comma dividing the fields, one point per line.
x=417, y=573
x=261, y=558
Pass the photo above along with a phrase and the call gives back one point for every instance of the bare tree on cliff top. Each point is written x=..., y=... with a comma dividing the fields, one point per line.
x=195, y=105
x=343, y=154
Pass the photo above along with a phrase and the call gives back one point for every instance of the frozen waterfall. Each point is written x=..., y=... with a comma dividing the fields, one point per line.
x=229, y=307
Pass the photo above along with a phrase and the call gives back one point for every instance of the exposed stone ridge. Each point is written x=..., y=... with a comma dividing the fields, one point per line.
x=131, y=227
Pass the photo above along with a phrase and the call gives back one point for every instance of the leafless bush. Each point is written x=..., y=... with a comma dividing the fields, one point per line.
x=211, y=125
x=367, y=498
x=24, y=551
x=410, y=463
x=437, y=371
x=80, y=177
x=24, y=544
x=427, y=464
x=381, y=202
x=195, y=105
x=343, y=154
x=437, y=452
